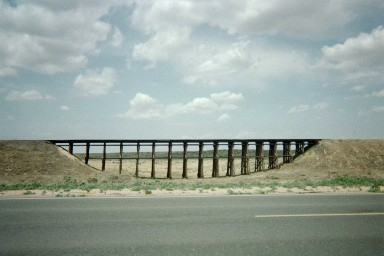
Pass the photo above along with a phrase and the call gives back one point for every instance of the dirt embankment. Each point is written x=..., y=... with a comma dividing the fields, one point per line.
x=28, y=161
x=332, y=158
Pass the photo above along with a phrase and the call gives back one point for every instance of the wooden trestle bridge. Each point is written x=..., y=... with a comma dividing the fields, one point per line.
x=288, y=150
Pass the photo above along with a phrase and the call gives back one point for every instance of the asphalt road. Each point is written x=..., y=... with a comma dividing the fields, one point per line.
x=227, y=225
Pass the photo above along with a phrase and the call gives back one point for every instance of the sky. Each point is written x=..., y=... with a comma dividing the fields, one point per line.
x=191, y=69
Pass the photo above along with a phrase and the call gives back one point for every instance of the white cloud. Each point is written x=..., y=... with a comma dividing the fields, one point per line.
x=96, y=82
x=378, y=109
x=299, y=18
x=65, y=108
x=305, y=107
x=161, y=45
x=358, y=88
x=241, y=63
x=143, y=106
x=227, y=100
x=7, y=72
x=199, y=105
x=378, y=94
x=358, y=57
x=49, y=38
x=117, y=38
x=170, y=29
x=27, y=95
x=224, y=117
x=321, y=105
x=299, y=108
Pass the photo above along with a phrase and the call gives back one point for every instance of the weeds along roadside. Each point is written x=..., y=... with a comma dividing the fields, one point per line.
x=148, y=185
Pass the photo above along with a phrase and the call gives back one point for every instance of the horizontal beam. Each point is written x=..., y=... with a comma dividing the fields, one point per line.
x=197, y=141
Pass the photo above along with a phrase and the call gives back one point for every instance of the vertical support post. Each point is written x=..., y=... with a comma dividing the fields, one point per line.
x=121, y=158
x=87, y=146
x=137, y=159
x=244, y=159
x=259, y=161
x=287, y=155
x=104, y=156
x=215, y=167
x=200, y=169
x=230, y=160
x=299, y=148
x=70, y=147
x=185, y=160
x=169, y=172
x=272, y=155
x=153, y=174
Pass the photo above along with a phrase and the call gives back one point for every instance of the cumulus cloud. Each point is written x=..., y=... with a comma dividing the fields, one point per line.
x=227, y=100
x=305, y=107
x=358, y=88
x=49, y=38
x=224, y=117
x=117, y=38
x=299, y=17
x=143, y=106
x=64, y=108
x=27, y=95
x=170, y=26
x=378, y=94
x=378, y=109
x=240, y=63
x=321, y=105
x=160, y=46
x=7, y=72
x=299, y=108
x=95, y=82
x=358, y=57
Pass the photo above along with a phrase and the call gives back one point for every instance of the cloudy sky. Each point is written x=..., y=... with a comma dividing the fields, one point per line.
x=191, y=69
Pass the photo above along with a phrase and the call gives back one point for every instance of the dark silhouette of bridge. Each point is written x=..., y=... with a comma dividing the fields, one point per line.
x=265, y=151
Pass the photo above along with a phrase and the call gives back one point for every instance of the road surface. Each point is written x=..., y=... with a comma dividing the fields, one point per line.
x=221, y=225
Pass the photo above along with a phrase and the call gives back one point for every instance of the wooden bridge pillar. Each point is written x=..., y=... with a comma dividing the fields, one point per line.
x=259, y=161
x=137, y=159
x=215, y=167
x=272, y=155
x=121, y=158
x=299, y=148
x=200, y=170
x=70, y=148
x=287, y=155
x=169, y=172
x=185, y=161
x=104, y=156
x=153, y=174
x=230, y=160
x=87, y=146
x=244, y=158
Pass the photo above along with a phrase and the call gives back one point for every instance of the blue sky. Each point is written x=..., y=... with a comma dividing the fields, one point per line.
x=191, y=69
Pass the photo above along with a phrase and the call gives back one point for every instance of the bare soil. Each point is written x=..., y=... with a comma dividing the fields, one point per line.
x=29, y=161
